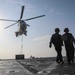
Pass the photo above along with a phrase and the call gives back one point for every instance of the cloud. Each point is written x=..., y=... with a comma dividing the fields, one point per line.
x=51, y=11
x=42, y=38
x=15, y=2
x=60, y=13
x=30, y=8
x=54, y=11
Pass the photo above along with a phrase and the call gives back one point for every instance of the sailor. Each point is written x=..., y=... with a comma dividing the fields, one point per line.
x=56, y=40
x=69, y=41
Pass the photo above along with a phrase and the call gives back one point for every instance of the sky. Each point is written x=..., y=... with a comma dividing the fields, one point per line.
x=59, y=13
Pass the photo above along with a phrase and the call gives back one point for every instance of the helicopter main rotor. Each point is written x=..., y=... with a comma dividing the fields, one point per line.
x=17, y=21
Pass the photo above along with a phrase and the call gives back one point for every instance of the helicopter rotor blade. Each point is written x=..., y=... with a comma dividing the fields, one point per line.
x=22, y=12
x=10, y=25
x=8, y=20
x=34, y=17
x=27, y=24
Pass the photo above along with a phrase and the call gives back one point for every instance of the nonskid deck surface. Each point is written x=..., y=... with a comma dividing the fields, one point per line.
x=48, y=67
x=33, y=67
x=12, y=67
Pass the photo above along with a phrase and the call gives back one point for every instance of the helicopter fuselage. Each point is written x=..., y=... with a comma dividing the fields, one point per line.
x=22, y=26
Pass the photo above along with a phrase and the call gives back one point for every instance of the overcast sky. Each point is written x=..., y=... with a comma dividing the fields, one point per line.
x=59, y=13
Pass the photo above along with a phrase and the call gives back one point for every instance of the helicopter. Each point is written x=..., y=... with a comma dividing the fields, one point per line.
x=22, y=25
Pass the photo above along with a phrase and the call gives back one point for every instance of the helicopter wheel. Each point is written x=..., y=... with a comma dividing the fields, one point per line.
x=25, y=33
x=16, y=33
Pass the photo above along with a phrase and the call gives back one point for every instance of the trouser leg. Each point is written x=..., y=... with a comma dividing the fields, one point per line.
x=59, y=55
x=70, y=54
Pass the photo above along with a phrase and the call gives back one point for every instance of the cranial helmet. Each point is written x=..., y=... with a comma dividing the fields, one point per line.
x=66, y=30
x=57, y=30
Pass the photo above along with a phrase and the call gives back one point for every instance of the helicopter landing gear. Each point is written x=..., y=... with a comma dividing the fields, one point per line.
x=16, y=33
x=25, y=33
